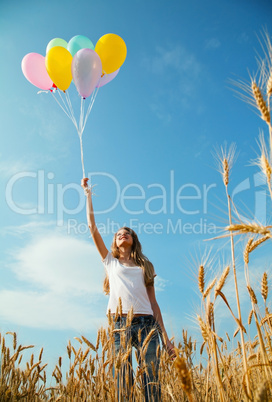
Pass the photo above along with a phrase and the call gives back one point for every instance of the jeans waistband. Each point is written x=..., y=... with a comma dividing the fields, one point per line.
x=136, y=320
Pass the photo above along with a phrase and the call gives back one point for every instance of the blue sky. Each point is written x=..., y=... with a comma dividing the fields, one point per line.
x=149, y=136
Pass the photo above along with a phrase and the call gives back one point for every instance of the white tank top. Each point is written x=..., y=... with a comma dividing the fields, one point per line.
x=127, y=283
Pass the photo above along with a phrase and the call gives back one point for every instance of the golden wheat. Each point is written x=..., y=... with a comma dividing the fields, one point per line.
x=252, y=295
x=261, y=395
x=250, y=317
x=204, y=329
x=222, y=280
x=88, y=343
x=184, y=375
x=247, y=250
x=209, y=288
x=260, y=102
x=256, y=243
x=269, y=85
x=249, y=228
x=201, y=280
x=225, y=171
x=264, y=288
x=239, y=373
x=266, y=167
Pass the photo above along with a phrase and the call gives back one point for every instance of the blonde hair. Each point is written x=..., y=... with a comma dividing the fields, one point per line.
x=137, y=256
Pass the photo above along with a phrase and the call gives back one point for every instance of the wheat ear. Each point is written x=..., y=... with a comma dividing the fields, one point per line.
x=249, y=228
x=269, y=84
x=247, y=250
x=222, y=280
x=201, y=280
x=252, y=295
x=260, y=102
x=184, y=375
x=225, y=171
x=250, y=317
x=256, y=243
x=88, y=343
x=264, y=288
x=209, y=288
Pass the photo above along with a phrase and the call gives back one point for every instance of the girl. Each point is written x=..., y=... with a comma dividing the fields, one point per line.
x=130, y=277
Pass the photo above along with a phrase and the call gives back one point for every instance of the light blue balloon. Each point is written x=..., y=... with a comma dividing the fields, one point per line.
x=79, y=42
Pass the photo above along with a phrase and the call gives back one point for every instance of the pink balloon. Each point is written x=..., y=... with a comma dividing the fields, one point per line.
x=86, y=71
x=107, y=78
x=33, y=66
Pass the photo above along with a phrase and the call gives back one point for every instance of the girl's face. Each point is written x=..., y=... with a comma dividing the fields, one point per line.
x=123, y=238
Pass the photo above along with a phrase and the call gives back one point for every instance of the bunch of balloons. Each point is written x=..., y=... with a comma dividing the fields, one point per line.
x=88, y=66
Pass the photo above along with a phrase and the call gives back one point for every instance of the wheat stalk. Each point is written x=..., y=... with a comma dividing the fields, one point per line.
x=88, y=343
x=269, y=85
x=119, y=310
x=261, y=395
x=225, y=171
x=266, y=167
x=204, y=329
x=250, y=317
x=184, y=375
x=210, y=314
x=209, y=288
x=252, y=294
x=236, y=332
x=260, y=102
x=249, y=228
x=264, y=287
x=222, y=280
x=247, y=250
x=148, y=339
x=225, y=160
x=201, y=280
x=256, y=243
x=264, y=160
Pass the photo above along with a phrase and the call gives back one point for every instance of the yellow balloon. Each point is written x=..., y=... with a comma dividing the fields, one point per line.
x=112, y=51
x=58, y=65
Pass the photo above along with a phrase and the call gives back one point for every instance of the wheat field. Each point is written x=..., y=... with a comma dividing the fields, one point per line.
x=242, y=372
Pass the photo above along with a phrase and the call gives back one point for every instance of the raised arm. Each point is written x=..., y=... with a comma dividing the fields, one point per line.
x=98, y=241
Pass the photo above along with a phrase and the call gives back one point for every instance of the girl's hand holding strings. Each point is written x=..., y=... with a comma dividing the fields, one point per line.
x=85, y=186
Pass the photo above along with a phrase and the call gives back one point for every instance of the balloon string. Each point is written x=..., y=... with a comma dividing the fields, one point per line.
x=68, y=110
x=88, y=110
x=82, y=159
x=81, y=117
x=83, y=123
x=63, y=101
x=92, y=103
x=94, y=94
x=67, y=113
x=80, y=132
x=71, y=109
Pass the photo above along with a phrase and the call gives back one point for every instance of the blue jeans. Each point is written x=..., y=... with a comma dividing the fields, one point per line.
x=135, y=335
